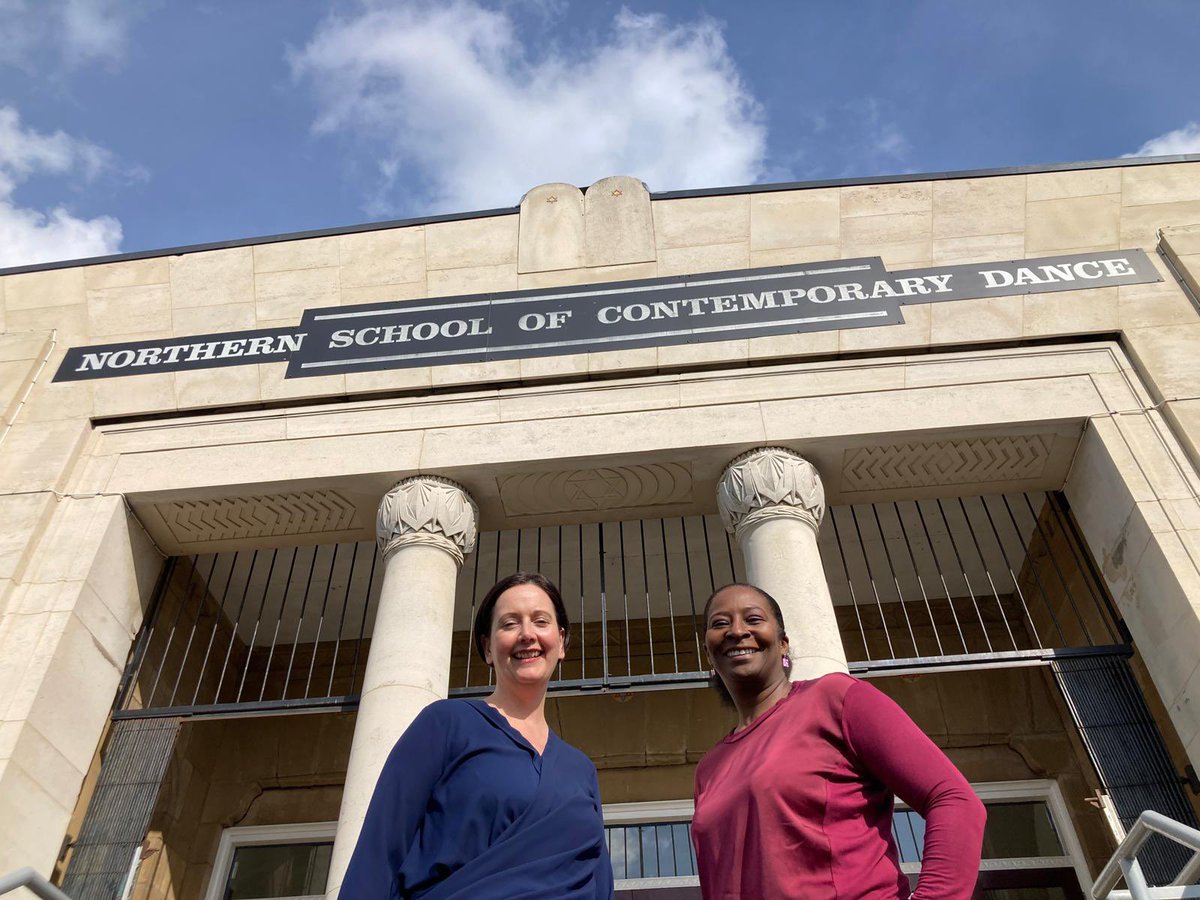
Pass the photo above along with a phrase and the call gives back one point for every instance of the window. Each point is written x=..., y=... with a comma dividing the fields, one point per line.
x=273, y=862
x=651, y=849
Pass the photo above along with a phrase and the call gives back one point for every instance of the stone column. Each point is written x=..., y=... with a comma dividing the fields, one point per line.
x=772, y=500
x=426, y=526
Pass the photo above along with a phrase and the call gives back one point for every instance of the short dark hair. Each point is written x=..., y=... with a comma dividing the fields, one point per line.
x=714, y=680
x=483, y=617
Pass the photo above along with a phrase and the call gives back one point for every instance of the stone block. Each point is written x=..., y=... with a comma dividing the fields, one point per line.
x=499, y=370
x=1140, y=224
x=1080, y=183
x=50, y=400
x=1151, y=305
x=539, y=406
x=71, y=322
x=415, y=378
x=698, y=260
x=795, y=219
x=617, y=222
x=895, y=257
x=275, y=386
x=472, y=243
x=574, y=365
x=1167, y=354
x=1182, y=240
x=818, y=381
x=1071, y=312
x=44, y=289
x=472, y=280
x=217, y=387
x=886, y=199
x=551, y=233
x=1185, y=414
x=915, y=332
x=394, y=416
x=378, y=293
x=784, y=346
x=980, y=319
x=287, y=294
x=36, y=454
x=699, y=221
x=127, y=273
x=787, y=256
x=966, y=207
x=21, y=516
x=860, y=233
x=212, y=277
x=712, y=353
x=32, y=824
x=1141, y=185
x=129, y=310
x=1074, y=222
x=630, y=359
x=308, y=253
x=198, y=320
x=23, y=347
x=134, y=394
x=389, y=256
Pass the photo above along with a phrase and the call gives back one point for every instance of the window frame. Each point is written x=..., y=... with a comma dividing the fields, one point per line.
x=237, y=836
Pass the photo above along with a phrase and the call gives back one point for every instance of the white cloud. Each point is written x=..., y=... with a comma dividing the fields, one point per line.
x=72, y=33
x=450, y=101
x=1173, y=143
x=30, y=236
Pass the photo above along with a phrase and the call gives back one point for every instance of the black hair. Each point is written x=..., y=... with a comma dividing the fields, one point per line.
x=714, y=680
x=483, y=617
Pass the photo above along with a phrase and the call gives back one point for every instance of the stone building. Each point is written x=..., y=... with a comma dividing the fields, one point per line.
x=952, y=422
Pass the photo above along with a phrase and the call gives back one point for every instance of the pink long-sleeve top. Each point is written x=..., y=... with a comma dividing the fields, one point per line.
x=799, y=803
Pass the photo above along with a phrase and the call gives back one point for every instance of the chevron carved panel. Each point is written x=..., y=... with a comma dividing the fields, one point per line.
x=618, y=487
x=276, y=515
x=946, y=462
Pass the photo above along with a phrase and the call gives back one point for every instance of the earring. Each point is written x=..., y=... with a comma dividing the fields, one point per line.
x=787, y=664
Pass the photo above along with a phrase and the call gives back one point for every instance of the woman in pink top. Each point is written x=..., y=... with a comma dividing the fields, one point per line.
x=797, y=801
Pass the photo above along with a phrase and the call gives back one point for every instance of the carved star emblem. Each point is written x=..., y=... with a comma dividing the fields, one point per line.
x=596, y=489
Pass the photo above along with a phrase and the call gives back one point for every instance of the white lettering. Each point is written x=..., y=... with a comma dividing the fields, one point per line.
x=259, y=346
x=725, y=303
x=1117, y=267
x=912, y=286
x=121, y=359
x=557, y=318
x=851, y=291
x=827, y=293
x=882, y=289
x=343, y=337
x=367, y=336
x=791, y=295
x=531, y=322
x=202, y=351
x=997, y=278
x=425, y=331
x=604, y=320
x=232, y=348
x=477, y=325
x=758, y=301
x=454, y=328
x=93, y=361
x=940, y=282
x=148, y=356
x=636, y=312
x=290, y=343
x=1095, y=268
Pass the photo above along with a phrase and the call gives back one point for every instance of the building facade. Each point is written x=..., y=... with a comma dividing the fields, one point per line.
x=951, y=422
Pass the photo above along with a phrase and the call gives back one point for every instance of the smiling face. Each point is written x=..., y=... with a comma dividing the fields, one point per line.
x=526, y=642
x=743, y=639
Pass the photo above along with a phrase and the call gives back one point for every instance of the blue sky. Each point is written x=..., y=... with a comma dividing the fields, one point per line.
x=137, y=124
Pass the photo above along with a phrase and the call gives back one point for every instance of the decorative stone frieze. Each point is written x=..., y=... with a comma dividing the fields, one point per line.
x=969, y=461
x=272, y=515
x=616, y=487
x=427, y=509
x=770, y=482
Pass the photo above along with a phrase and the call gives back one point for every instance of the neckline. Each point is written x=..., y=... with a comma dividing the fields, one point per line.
x=498, y=718
x=735, y=735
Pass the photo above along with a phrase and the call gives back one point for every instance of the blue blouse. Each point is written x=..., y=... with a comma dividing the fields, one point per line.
x=465, y=807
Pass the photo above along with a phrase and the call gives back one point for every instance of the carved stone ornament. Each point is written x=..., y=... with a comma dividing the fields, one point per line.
x=767, y=482
x=426, y=509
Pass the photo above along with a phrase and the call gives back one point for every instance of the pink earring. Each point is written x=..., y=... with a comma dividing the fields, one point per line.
x=787, y=664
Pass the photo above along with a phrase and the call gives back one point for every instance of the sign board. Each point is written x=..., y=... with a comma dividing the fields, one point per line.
x=851, y=293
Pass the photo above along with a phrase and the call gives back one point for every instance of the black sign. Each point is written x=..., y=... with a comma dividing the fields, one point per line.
x=851, y=293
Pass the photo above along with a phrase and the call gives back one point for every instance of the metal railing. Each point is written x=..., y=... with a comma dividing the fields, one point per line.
x=28, y=878
x=1124, y=862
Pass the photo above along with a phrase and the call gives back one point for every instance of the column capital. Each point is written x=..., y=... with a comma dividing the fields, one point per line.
x=427, y=509
x=770, y=482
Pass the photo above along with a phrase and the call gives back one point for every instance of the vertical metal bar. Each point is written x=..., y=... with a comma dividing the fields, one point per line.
x=193, y=576
x=538, y=564
x=646, y=585
x=603, y=605
x=942, y=575
x=624, y=597
x=287, y=586
x=966, y=580
x=912, y=635
x=1011, y=574
x=362, y=626
x=712, y=581
x=312, y=663
x=986, y=571
x=1037, y=522
x=837, y=539
x=518, y=566
x=262, y=603
x=687, y=565
x=1083, y=563
x=662, y=525
x=582, y=609
x=337, y=645
x=937, y=636
x=233, y=632
x=195, y=625
x=1034, y=569
x=887, y=632
x=471, y=623
x=491, y=670
x=212, y=636
x=312, y=566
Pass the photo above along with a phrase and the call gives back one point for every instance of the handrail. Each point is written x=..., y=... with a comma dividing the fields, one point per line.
x=28, y=878
x=1124, y=861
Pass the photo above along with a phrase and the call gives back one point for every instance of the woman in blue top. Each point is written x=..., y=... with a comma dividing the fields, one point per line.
x=479, y=798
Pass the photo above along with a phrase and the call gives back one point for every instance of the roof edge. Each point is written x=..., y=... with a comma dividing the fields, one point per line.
x=659, y=195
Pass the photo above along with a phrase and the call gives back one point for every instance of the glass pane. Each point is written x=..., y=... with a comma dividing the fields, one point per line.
x=616, y=850
x=682, y=844
x=649, y=852
x=284, y=870
x=1020, y=829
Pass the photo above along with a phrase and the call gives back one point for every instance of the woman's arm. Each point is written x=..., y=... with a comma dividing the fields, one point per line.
x=397, y=808
x=896, y=752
